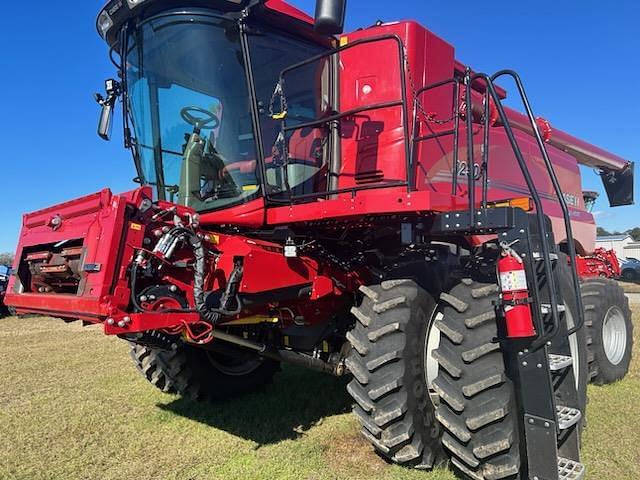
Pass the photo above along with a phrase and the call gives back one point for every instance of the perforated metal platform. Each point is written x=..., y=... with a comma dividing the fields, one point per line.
x=539, y=257
x=546, y=308
x=567, y=416
x=559, y=362
x=570, y=469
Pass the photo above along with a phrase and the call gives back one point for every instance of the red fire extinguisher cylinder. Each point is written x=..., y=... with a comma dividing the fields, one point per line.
x=515, y=295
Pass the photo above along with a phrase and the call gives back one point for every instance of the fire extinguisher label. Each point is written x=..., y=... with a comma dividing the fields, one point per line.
x=513, y=280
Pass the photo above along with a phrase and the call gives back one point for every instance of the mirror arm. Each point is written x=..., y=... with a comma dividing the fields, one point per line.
x=113, y=90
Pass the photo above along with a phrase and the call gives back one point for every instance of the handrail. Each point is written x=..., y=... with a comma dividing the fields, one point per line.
x=556, y=186
x=542, y=227
x=402, y=102
x=456, y=125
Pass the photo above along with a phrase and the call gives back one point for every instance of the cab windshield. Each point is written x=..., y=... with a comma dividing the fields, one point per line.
x=190, y=107
x=185, y=76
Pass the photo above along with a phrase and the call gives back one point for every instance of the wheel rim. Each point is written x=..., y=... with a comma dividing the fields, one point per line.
x=431, y=366
x=614, y=335
x=234, y=367
x=573, y=346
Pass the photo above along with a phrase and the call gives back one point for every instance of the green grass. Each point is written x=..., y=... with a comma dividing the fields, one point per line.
x=72, y=406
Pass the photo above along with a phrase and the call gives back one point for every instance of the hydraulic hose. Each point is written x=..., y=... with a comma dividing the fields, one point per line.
x=200, y=266
x=210, y=315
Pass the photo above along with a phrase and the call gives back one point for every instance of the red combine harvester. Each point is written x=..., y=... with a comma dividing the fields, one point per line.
x=355, y=203
x=601, y=263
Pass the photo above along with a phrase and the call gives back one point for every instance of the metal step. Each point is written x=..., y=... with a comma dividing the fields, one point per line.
x=545, y=308
x=559, y=362
x=570, y=469
x=537, y=256
x=567, y=416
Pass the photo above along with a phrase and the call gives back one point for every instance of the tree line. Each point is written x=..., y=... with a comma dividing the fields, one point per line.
x=6, y=259
x=634, y=232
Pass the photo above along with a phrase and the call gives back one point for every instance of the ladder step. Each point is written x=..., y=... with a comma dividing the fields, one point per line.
x=537, y=256
x=559, y=362
x=567, y=416
x=546, y=308
x=570, y=469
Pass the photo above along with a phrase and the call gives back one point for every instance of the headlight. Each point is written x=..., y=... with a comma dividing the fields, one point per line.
x=104, y=24
x=134, y=3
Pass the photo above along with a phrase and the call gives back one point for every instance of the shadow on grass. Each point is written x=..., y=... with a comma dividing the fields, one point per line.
x=297, y=400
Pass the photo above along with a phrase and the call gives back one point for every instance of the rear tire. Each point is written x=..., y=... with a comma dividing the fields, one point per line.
x=198, y=374
x=388, y=365
x=609, y=330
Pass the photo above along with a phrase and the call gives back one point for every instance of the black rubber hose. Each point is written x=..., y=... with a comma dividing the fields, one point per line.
x=200, y=267
x=210, y=315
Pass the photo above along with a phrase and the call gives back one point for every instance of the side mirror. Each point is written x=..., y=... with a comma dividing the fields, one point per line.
x=113, y=90
x=330, y=15
x=106, y=121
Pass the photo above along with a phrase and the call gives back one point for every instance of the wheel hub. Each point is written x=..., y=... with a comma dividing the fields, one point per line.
x=614, y=335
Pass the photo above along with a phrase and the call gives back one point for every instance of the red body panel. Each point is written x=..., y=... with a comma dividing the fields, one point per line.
x=289, y=10
x=98, y=221
x=374, y=142
x=110, y=240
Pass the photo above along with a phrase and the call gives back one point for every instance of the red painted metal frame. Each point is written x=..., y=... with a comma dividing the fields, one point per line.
x=112, y=241
x=602, y=263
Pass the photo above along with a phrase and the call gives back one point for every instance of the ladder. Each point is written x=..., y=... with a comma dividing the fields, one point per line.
x=548, y=419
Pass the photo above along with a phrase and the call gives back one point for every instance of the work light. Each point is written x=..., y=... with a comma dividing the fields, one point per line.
x=104, y=23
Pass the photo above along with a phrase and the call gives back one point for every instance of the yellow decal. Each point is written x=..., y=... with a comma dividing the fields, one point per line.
x=249, y=188
x=344, y=41
x=255, y=320
x=136, y=226
x=279, y=116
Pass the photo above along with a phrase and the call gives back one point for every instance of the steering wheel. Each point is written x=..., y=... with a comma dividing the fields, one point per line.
x=205, y=121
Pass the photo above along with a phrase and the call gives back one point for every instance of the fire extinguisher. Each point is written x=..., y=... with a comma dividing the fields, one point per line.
x=515, y=295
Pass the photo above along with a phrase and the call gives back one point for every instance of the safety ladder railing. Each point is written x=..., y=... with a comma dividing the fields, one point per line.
x=532, y=359
x=491, y=96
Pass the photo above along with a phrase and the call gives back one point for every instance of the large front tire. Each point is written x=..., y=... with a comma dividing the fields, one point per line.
x=203, y=375
x=388, y=364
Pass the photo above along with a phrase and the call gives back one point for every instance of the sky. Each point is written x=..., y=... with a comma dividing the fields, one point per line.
x=578, y=59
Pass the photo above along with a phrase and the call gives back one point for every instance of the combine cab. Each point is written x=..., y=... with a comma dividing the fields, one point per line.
x=360, y=204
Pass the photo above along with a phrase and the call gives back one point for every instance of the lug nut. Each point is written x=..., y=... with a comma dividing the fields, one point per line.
x=173, y=288
x=110, y=321
x=126, y=320
x=121, y=324
x=143, y=298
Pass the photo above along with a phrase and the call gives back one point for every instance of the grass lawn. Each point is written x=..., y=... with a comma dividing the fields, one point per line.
x=630, y=287
x=72, y=406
